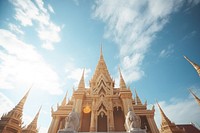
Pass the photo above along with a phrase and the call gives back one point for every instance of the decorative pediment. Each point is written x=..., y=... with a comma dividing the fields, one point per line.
x=102, y=87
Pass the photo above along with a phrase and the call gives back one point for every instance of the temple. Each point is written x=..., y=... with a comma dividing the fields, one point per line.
x=11, y=122
x=101, y=106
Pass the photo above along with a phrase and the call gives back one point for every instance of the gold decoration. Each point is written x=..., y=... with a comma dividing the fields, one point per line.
x=87, y=109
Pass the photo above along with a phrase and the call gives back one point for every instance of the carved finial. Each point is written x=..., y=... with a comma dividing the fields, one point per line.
x=138, y=101
x=64, y=100
x=153, y=107
x=52, y=109
x=122, y=83
x=81, y=85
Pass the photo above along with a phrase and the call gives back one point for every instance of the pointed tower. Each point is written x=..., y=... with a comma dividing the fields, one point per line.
x=12, y=121
x=196, y=67
x=167, y=126
x=64, y=100
x=137, y=99
x=32, y=127
x=101, y=82
x=101, y=69
x=122, y=83
x=81, y=85
x=196, y=98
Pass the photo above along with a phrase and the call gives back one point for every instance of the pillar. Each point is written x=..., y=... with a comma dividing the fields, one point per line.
x=92, y=122
x=111, y=121
x=152, y=124
x=54, y=125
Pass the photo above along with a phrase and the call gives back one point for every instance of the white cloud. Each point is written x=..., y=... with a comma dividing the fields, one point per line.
x=5, y=103
x=21, y=65
x=50, y=8
x=15, y=28
x=35, y=14
x=27, y=119
x=43, y=130
x=179, y=111
x=75, y=73
x=133, y=26
x=166, y=52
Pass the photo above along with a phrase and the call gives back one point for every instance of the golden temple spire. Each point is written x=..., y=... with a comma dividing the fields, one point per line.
x=21, y=103
x=138, y=101
x=101, y=68
x=13, y=119
x=82, y=81
x=64, y=100
x=167, y=126
x=32, y=127
x=196, y=98
x=165, y=119
x=122, y=83
x=196, y=66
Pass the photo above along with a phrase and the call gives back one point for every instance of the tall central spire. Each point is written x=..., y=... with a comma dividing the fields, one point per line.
x=101, y=68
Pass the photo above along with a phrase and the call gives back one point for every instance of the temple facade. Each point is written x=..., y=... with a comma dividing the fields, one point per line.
x=102, y=107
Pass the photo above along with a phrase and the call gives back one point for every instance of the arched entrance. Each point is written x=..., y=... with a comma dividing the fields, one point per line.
x=85, y=123
x=102, y=123
x=118, y=119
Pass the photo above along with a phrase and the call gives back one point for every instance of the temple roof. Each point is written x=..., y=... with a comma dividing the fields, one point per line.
x=189, y=128
x=101, y=68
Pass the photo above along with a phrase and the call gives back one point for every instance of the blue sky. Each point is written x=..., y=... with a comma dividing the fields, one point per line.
x=46, y=44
